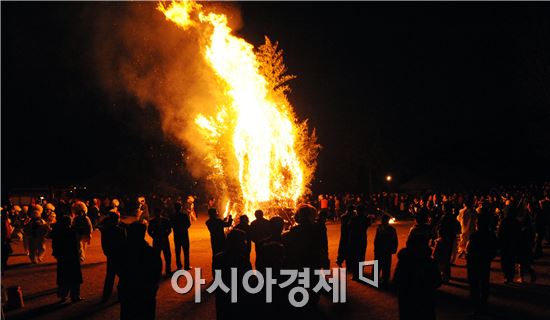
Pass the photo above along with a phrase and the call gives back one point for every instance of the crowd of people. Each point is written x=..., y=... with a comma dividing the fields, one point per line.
x=71, y=228
x=508, y=222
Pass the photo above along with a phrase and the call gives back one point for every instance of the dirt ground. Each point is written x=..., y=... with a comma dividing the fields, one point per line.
x=37, y=281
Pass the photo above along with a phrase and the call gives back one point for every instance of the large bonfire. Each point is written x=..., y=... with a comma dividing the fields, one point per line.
x=259, y=155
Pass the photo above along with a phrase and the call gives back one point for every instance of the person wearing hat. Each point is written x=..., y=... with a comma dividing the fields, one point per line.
x=143, y=210
x=83, y=227
x=37, y=231
x=114, y=207
x=50, y=214
x=16, y=222
x=190, y=208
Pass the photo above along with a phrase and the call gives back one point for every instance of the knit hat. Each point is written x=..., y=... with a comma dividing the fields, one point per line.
x=38, y=209
x=79, y=207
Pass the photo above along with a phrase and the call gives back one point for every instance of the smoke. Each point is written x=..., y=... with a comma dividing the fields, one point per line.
x=139, y=53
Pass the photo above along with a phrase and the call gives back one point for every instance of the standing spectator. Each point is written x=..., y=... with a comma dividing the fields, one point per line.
x=542, y=216
x=385, y=245
x=421, y=227
x=113, y=237
x=159, y=229
x=259, y=229
x=303, y=242
x=83, y=227
x=447, y=231
x=245, y=227
x=481, y=250
x=303, y=245
x=545, y=208
x=215, y=227
x=6, y=239
x=232, y=257
x=358, y=240
x=508, y=235
x=323, y=202
x=343, y=247
x=331, y=208
x=37, y=230
x=140, y=272
x=51, y=217
x=212, y=203
x=416, y=278
x=63, y=208
x=190, y=208
x=337, y=207
x=321, y=223
x=26, y=218
x=272, y=249
x=525, y=247
x=114, y=207
x=467, y=219
x=180, y=224
x=65, y=245
x=143, y=210
x=93, y=212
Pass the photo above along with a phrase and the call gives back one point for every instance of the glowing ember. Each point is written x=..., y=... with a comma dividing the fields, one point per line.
x=255, y=131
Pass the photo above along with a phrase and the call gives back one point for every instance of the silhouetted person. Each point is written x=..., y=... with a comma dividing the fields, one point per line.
x=272, y=254
x=6, y=239
x=481, y=250
x=142, y=213
x=421, y=227
x=245, y=227
x=343, y=248
x=233, y=256
x=180, y=224
x=65, y=245
x=358, y=240
x=140, y=272
x=93, y=212
x=545, y=214
x=321, y=223
x=540, y=228
x=416, y=278
x=447, y=230
x=159, y=229
x=215, y=227
x=385, y=245
x=302, y=242
x=113, y=237
x=525, y=248
x=259, y=229
x=508, y=235
x=303, y=245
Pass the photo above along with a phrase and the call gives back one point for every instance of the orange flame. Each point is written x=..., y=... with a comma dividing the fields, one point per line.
x=254, y=130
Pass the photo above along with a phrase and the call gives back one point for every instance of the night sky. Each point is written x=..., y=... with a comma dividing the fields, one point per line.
x=391, y=88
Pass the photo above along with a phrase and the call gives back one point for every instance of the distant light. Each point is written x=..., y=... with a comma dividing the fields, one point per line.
x=392, y=220
x=388, y=178
x=41, y=198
